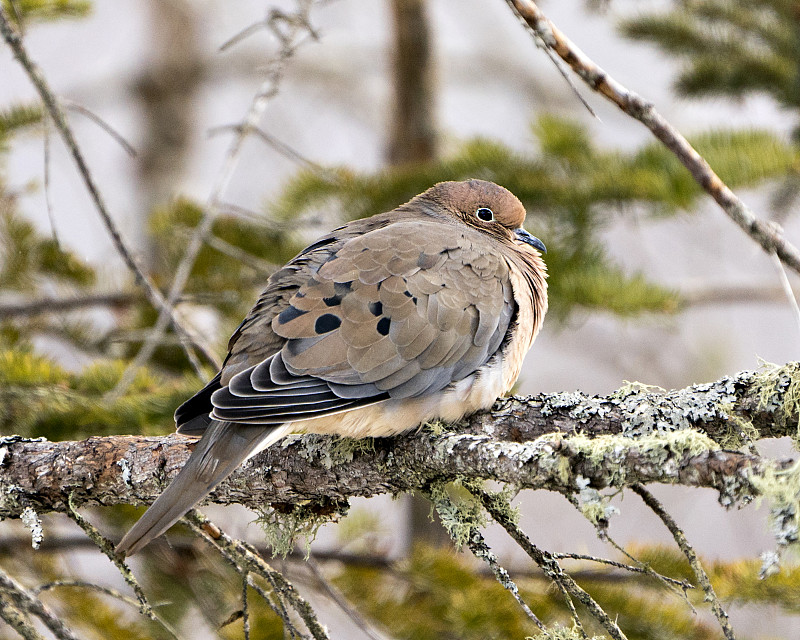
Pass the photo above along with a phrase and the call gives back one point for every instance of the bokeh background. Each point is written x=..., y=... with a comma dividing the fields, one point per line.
x=651, y=281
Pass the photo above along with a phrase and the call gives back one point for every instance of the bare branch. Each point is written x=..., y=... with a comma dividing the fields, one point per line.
x=26, y=603
x=56, y=112
x=55, y=305
x=680, y=538
x=105, y=126
x=766, y=235
x=290, y=30
x=338, y=597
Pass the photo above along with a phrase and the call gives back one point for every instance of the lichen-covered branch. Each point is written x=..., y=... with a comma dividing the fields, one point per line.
x=563, y=442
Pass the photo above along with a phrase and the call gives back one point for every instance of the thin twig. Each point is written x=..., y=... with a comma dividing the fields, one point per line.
x=19, y=620
x=787, y=288
x=263, y=267
x=683, y=584
x=679, y=587
x=482, y=551
x=342, y=602
x=107, y=547
x=113, y=593
x=24, y=601
x=274, y=143
x=48, y=201
x=548, y=564
x=298, y=24
x=105, y=126
x=275, y=603
x=769, y=238
x=680, y=538
x=245, y=606
x=13, y=39
x=244, y=558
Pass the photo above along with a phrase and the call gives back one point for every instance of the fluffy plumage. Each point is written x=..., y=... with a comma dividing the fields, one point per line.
x=420, y=313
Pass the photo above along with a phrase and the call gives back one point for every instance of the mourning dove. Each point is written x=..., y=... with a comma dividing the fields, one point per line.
x=425, y=312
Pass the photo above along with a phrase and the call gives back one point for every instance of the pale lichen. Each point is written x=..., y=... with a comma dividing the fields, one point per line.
x=33, y=523
x=593, y=505
x=557, y=632
x=459, y=511
x=284, y=524
x=779, y=392
x=650, y=410
x=781, y=487
x=126, y=471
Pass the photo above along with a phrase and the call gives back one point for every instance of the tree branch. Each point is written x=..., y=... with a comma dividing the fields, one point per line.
x=551, y=441
x=767, y=235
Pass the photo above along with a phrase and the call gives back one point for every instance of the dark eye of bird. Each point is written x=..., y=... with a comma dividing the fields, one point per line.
x=487, y=215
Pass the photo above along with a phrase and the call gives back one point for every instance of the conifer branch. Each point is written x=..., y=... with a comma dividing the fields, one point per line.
x=767, y=235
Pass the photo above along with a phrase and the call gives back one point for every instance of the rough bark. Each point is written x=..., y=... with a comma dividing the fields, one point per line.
x=560, y=442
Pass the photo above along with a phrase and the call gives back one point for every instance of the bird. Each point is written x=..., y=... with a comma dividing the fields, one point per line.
x=421, y=313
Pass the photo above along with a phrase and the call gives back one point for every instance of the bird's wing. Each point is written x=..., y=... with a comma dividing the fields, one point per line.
x=400, y=311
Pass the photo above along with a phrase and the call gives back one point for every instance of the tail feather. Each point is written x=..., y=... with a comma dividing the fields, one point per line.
x=223, y=447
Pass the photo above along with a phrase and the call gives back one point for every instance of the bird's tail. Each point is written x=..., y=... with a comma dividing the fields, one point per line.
x=223, y=447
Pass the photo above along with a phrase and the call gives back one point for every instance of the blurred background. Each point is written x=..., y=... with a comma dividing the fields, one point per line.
x=367, y=105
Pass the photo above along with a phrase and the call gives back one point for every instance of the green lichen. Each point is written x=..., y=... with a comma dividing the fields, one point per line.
x=740, y=433
x=436, y=427
x=330, y=451
x=459, y=511
x=781, y=487
x=609, y=451
x=558, y=632
x=779, y=392
x=284, y=524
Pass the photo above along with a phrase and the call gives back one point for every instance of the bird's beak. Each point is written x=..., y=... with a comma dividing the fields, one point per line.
x=527, y=238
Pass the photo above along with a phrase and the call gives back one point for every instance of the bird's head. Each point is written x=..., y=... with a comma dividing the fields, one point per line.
x=487, y=207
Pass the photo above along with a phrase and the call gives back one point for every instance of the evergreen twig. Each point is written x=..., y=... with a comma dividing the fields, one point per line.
x=766, y=235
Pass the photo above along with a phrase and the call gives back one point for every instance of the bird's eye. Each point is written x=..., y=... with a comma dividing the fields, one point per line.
x=487, y=215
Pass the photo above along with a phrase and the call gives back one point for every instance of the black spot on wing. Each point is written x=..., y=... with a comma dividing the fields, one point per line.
x=383, y=326
x=376, y=308
x=342, y=288
x=289, y=314
x=327, y=322
x=332, y=301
